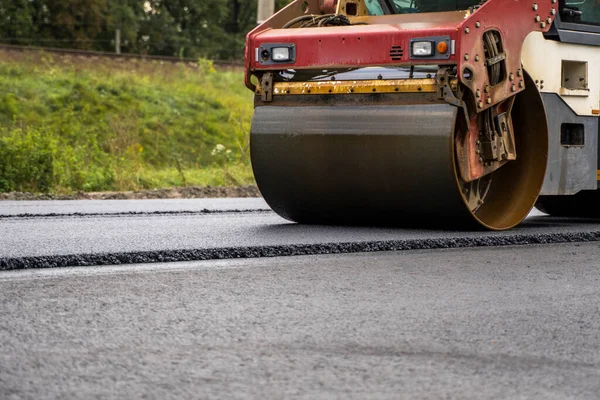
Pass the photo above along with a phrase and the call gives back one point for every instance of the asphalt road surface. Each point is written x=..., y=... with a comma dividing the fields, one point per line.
x=496, y=322
x=81, y=233
x=441, y=322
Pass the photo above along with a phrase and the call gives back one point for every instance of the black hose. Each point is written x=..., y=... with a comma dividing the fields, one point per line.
x=314, y=20
x=492, y=49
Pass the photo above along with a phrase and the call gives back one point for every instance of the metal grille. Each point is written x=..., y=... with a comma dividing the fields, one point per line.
x=396, y=53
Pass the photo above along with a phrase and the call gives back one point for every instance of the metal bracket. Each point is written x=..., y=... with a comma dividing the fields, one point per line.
x=352, y=8
x=495, y=60
x=445, y=93
x=266, y=87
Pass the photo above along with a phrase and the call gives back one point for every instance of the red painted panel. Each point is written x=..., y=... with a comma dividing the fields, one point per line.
x=359, y=45
x=514, y=19
x=369, y=45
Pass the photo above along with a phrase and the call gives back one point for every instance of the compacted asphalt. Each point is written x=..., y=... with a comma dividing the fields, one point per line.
x=475, y=323
x=82, y=233
x=465, y=315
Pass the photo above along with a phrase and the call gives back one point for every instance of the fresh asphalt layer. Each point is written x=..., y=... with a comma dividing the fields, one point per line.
x=119, y=207
x=80, y=233
x=476, y=323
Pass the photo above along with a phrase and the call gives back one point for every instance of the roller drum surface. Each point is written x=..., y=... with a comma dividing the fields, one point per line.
x=385, y=165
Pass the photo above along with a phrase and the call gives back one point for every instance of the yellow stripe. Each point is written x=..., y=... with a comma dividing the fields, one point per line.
x=598, y=175
x=426, y=85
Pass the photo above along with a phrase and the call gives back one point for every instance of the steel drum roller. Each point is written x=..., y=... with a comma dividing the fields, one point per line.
x=389, y=164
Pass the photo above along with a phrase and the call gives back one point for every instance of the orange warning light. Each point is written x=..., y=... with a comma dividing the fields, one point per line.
x=442, y=47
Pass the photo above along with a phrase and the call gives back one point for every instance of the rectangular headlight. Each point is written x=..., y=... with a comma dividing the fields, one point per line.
x=276, y=53
x=422, y=49
x=281, y=54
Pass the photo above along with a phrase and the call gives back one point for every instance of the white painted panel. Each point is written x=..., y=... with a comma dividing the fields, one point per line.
x=543, y=60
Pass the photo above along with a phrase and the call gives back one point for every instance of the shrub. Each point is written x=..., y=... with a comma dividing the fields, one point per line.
x=26, y=160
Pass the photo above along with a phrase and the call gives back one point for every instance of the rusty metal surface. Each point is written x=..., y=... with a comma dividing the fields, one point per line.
x=513, y=20
x=423, y=85
x=516, y=185
x=360, y=8
x=487, y=143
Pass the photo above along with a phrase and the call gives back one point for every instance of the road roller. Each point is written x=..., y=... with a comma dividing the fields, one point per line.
x=455, y=114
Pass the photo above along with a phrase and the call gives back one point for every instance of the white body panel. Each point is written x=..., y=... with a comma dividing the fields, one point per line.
x=543, y=60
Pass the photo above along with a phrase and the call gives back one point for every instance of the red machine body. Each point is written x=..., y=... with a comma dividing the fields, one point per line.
x=369, y=45
x=465, y=140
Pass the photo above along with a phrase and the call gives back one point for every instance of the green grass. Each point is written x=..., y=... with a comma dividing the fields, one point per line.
x=69, y=125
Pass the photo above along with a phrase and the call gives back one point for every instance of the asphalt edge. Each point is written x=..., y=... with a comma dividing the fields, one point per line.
x=83, y=260
x=204, y=211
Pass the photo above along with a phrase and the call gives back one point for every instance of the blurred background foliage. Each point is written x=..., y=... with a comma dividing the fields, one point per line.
x=213, y=29
x=69, y=123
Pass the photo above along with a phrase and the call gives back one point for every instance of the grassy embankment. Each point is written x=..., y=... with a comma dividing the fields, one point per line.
x=69, y=125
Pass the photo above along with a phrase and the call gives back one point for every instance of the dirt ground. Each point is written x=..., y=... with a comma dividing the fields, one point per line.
x=192, y=192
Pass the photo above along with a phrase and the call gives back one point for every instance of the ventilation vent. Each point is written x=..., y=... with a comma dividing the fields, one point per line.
x=396, y=53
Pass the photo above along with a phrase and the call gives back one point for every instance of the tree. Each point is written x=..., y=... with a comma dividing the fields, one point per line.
x=75, y=23
x=17, y=24
x=184, y=28
x=241, y=19
x=188, y=28
x=125, y=15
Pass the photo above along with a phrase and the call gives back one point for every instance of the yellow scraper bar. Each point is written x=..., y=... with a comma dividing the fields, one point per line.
x=424, y=85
